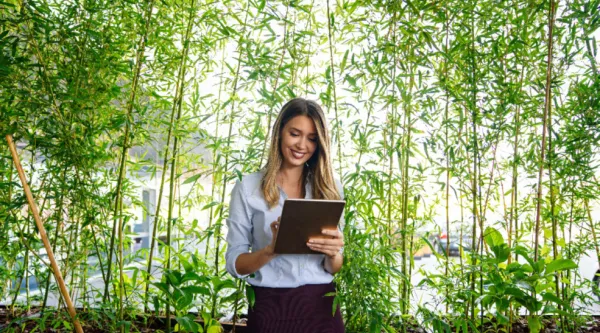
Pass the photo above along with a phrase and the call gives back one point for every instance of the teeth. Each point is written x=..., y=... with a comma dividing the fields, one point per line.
x=297, y=155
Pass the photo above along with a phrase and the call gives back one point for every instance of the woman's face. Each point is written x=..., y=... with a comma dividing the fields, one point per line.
x=298, y=140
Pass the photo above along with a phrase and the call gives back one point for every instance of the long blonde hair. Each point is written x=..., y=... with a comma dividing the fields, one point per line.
x=317, y=169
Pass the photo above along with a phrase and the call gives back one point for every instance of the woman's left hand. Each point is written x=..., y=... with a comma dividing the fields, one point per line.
x=331, y=245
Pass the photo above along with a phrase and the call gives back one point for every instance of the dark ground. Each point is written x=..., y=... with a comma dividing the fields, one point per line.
x=25, y=322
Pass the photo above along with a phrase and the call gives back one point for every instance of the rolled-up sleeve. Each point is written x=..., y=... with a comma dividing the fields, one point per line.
x=342, y=222
x=239, y=224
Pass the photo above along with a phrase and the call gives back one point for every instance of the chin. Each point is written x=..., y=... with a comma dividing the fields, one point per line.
x=296, y=162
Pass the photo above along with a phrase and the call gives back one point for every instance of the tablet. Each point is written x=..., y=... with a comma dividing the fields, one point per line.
x=302, y=219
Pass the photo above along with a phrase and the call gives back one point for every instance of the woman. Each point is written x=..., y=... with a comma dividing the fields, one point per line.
x=289, y=289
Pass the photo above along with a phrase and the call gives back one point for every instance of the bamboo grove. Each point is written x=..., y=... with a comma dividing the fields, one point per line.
x=480, y=116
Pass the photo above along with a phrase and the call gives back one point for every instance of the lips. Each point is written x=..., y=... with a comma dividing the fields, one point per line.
x=297, y=154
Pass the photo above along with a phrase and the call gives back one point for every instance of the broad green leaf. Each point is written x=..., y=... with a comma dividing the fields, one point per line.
x=560, y=265
x=534, y=323
x=250, y=295
x=493, y=237
x=187, y=323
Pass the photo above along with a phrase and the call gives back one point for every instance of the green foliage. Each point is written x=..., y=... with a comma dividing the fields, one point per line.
x=435, y=110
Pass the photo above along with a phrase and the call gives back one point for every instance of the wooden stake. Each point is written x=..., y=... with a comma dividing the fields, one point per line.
x=40, y=226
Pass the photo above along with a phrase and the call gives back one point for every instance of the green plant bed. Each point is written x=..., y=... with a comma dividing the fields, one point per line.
x=548, y=324
x=97, y=320
x=157, y=324
x=8, y=313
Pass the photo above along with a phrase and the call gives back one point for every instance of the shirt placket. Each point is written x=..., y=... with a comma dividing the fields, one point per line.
x=304, y=258
x=301, y=259
x=283, y=196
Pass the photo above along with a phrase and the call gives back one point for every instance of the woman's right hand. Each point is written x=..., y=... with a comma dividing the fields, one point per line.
x=248, y=263
x=274, y=230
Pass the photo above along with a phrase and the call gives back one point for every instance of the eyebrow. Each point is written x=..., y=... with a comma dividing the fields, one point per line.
x=299, y=130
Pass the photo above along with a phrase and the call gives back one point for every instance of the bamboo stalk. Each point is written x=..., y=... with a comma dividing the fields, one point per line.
x=462, y=223
x=170, y=217
x=42, y=231
x=475, y=178
x=446, y=121
x=557, y=275
x=513, y=197
x=83, y=281
x=270, y=113
x=592, y=228
x=120, y=256
x=58, y=227
x=392, y=146
x=295, y=63
x=26, y=261
x=241, y=285
x=360, y=153
x=566, y=288
x=548, y=101
x=514, y=194
x=44, y=72
x=9, y=199
x=471, y=278
x=124, y=153
x=405, y=193
x=307, y=63
x=229, y=133
x=179, y=97
x=180, y=79
x=214, y=153
x=68, y=256
x=411, y=251
x=21, y=278
x=337, y=124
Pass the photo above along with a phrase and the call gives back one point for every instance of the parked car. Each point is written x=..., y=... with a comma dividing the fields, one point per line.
x=440, y=242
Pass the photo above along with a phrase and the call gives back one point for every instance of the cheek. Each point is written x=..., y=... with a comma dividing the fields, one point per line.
x=285, y=141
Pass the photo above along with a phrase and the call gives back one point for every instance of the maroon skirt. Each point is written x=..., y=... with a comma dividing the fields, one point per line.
x=304, y=309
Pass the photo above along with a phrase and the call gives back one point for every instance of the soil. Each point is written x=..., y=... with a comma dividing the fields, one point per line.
x=549, y=326
x=31, y=326
x=24, y=322
x=7, y=315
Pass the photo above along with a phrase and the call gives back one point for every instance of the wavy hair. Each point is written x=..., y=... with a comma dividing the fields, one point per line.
x=317, y=169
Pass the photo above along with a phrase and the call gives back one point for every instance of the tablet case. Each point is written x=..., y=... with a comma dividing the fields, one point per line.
x=302, y=219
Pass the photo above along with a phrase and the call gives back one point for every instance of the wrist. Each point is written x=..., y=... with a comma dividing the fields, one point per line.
x=269, y=251
x=333, y=257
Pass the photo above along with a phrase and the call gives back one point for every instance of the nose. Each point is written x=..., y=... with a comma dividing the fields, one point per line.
x=301, y=145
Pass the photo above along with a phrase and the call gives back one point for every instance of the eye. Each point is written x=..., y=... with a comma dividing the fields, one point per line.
x=294, y=134
x=313, y=139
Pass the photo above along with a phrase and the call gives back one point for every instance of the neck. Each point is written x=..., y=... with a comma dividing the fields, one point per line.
x=290, y=175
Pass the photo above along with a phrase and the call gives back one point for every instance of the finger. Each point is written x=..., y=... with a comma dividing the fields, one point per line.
x=324, y=248
x=325, y=251
x=325, y=241
x=333, y=233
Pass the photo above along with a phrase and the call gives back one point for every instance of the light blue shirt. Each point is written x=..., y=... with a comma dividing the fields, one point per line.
x=249, y=225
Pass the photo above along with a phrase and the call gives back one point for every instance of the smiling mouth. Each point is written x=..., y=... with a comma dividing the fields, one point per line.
x=297, y=154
